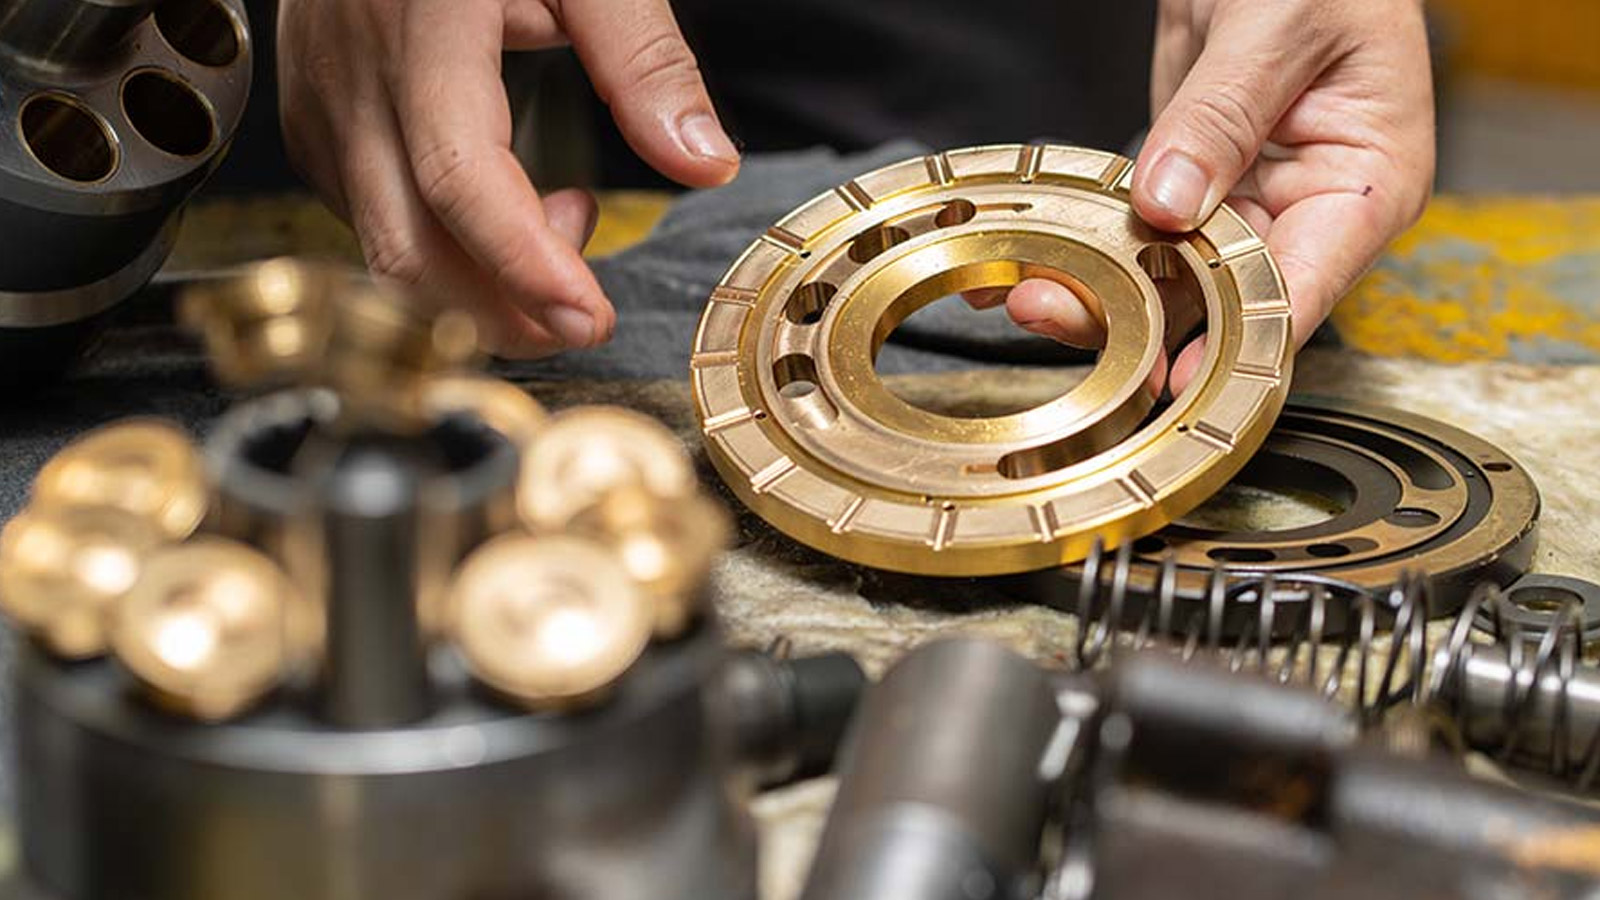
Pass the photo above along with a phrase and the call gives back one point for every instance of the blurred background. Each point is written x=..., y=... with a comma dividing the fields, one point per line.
x=1518, y=86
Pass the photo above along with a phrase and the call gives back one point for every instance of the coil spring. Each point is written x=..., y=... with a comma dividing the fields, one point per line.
x=1410, y=667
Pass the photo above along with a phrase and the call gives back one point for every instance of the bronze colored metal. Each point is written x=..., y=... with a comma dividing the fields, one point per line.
x=144, y=467
x=667, y=546
x=385, y=345
x=549, y=622
x=269, y=324
x=587, y=452
x=373, y=342
x=803, y=430
x=63, y=569
x=501, y=405
x=204, y=628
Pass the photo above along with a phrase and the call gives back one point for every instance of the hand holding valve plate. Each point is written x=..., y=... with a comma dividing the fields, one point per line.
x=799, y=424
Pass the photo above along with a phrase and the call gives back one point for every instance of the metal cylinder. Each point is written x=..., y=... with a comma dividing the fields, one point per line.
x=251, y=456
x=115, y=112
x=944, y=789
x=1549, y=717
x=787, y=717
x=627, y=802
x=374, y=671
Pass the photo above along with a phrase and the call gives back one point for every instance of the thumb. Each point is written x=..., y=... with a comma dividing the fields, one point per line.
x=1251, y=71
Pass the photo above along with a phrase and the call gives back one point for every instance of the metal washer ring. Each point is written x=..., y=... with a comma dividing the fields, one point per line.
x=798, y=423
x=1532, y=602
x=1419, y=496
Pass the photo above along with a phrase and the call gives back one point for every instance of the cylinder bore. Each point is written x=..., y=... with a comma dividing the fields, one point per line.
x=168, y=113
x=202, y=30
x=67, y=138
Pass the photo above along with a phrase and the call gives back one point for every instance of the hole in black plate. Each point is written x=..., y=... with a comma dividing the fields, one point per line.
x=1410, y=517
x=1241, y=555
x=68, y=139
x=1546, y=600
x=1149, y=545
x=201, y=30
x=168, y=113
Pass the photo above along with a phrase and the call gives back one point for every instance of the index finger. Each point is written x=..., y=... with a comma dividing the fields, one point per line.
x=457, y=125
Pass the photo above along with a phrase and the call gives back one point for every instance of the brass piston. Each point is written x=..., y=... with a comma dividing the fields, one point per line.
x=801, y=427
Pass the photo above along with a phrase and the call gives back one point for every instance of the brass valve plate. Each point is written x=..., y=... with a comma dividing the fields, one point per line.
x=798, y=422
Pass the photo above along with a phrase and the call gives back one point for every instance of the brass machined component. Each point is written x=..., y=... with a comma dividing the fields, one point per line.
x=374, y=342
x=269, y=324
x=144, y=467
x=384, y=347
x=204, y=627
x=501, y=405
x=801, y=427
x=586, y=452
x=667, y=546
x=62, y=570
x=549, y=622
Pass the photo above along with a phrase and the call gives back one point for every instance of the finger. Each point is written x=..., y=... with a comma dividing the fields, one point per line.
x=573, y=214
x=402, y=240
x=1054, y=311
x=986, y=298
x=457, y=128
x=1186, y=365
x=1252, y=69
x=531, y=25
x=1051, y=309
x=1175, y=51
x=1323, y=245
x=643, y=70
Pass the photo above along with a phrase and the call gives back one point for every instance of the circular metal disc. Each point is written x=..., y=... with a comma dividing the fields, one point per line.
x=803, y=430
x=1411, y=494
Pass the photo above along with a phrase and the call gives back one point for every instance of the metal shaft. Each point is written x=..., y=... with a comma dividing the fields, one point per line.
x=1546, y=714
x=375, y=673
x=787, y=717
x=943, y=793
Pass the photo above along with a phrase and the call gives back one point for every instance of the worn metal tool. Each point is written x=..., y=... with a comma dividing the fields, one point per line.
x=1162, y=778
x=115, y=112
x=805, y=433
x=360, y=675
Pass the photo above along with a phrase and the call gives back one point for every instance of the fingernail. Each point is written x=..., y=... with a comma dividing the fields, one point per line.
x=574, y=326
x=1179, y=186
x=704, y=137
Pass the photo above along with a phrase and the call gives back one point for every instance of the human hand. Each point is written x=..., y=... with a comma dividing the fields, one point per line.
x=396, y=113
x=1312, y=119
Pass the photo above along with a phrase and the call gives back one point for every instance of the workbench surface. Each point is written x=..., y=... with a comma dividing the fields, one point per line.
x=768, y=588
x=1469, y=313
